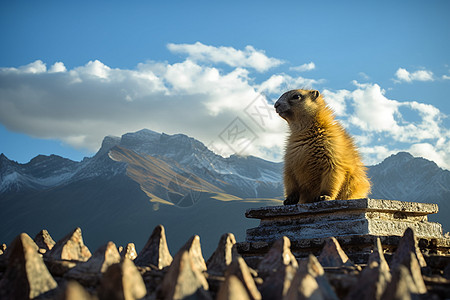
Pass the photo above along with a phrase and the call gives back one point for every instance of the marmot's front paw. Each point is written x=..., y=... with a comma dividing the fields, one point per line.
x=291, y=199
x=323, y=198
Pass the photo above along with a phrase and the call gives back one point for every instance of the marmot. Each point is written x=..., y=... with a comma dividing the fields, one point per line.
x=321, y=160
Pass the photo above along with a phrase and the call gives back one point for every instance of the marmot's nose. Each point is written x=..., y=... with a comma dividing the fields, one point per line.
x=276, y=104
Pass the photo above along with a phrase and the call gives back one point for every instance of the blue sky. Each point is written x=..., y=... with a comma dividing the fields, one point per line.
x=72, y=73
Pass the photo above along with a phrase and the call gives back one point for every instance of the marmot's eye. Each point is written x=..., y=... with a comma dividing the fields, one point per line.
x=296, y=97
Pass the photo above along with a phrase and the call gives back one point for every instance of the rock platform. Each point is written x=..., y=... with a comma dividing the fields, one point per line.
x=356, y=224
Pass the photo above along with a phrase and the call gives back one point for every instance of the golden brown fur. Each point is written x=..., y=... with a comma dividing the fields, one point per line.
x=321, y=160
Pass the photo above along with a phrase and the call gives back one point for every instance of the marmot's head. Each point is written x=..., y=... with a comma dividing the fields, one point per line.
x=299, y=105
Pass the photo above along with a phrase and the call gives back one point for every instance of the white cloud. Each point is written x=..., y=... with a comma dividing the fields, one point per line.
x=386, y=124
x=431, y=152
x=374, y=154
x=35, y=67
x=94, y=68
x=57, y=67
x=373, y=111
x=303, y=68
x=280, y=83
x=84, y=104
x=420, y=75
x=445, y=77
x=247, y=58
x=337, y=100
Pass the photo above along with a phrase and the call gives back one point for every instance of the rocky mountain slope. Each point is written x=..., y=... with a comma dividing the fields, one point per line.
x=142, y=179
x=407, y=178
x=134, y=183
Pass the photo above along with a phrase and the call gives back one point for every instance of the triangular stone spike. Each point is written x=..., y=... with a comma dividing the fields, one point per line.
x=26, y=276
x=129, y=251
x=312, y=266
x=223, y=256
x=183, y=280
x=276, y=285
x=155, y=252
x=74, y=291
x=304, y=286
x=278, y=256
x=89, y=272
x=372, y=282
x=71, y=247
x=122, y=281
x=407, y=244
x=44, y=241
x=332, y=255
x=415, y=271
x=194, y=249
x=231, y=289
x=377, y=256
x=239, y=268
x=401, y=286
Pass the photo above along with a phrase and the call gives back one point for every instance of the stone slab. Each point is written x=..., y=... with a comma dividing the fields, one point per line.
x=351, y=226
x=365, y=204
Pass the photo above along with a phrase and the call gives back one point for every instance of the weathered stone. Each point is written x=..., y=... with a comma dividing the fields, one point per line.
x=332, y=254
x=60, y=267
x=342, y=218
x=304, y=286
x=406, y=245
x=402, y=286
x=412, y=264
x=194, y=249
x=312, y=266
x=278, y=282
x=279, y=256
x=222, y=256
x=71, y=247
x=155, y=252
x=26, y=276
x=74, y=291
x=89, y=272
x=413, y=208
x=44, y=241
x=374, y=278
x=129, y=251
x=184, y=280
x=122, y=281
x=231, y=289
x=377, y=256
x=372, y=282
x=239, y=268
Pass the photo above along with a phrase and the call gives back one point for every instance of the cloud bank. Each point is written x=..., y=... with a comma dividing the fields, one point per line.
x=195, y=96
x=420, y=75
x=303, y=68
x=247, y=58
x=385, y=128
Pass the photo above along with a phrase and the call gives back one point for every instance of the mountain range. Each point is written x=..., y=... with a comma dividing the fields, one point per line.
x=143, y=179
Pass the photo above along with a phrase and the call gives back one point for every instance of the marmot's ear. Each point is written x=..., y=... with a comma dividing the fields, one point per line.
x=315, y=94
